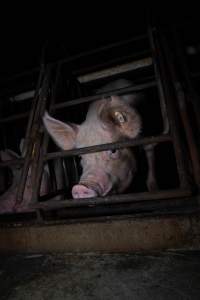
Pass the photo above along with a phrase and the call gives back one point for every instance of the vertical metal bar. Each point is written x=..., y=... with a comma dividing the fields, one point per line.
x=35, y=100
x=43, y=148
x=182, y=164
x=159, y=83
x=194, y=153
x=193, y=97
x=24, y=173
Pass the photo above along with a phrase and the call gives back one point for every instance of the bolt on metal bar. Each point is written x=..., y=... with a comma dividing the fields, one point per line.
x=114, y=199
x=109, y=146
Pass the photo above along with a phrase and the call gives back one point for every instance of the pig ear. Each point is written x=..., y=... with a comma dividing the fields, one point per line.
x=8, y=155
x=64, y=135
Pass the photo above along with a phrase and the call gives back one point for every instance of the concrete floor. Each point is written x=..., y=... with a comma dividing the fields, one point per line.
x=166, y=275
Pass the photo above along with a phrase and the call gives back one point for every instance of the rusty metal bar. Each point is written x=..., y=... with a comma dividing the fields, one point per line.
x=113, y=199
x=31, y=144
x=121, y=91
x=194, y=152
x=15, y=117
x=34, y=107
x=80, y=55
x=159, y=84
x=109, y=146
x=18, y=161
x=115, y=61
x=101, y=49
x=143, y=208
x=193, y=97
x=182, y=164
x=42, y=151
x=119, y=69
x=63, y=104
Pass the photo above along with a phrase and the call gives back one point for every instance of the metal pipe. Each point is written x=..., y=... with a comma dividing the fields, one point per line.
x=63, y=104
x=109, y=146
x=182, y=163
x=114, y=61
x=121, y=91
x=32, y=130
x=122, y=68
x=159, y=84
x=80, y=55
x=194, y=153
x=114, y=199
x=42, y=151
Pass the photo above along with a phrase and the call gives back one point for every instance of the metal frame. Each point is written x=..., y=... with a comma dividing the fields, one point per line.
x=37, y=144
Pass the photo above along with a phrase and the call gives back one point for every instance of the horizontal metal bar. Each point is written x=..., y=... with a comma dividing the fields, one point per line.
x=78, y=56
x=116, y=61
x=103, y=48
x=114, y=199
x=14, y=117
x=109, y=146
x=18, y=161
x=84, y=100
x=122, y=68
x=121, y=91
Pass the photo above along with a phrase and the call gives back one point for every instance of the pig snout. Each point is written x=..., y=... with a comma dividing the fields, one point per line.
x=92, y=185
x=82, y=191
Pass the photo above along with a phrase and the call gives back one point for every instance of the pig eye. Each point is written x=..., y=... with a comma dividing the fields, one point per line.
x=120, y=117
x=114, y=154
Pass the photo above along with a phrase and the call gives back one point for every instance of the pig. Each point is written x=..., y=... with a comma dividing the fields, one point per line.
x=8, y=198
x=108, y=120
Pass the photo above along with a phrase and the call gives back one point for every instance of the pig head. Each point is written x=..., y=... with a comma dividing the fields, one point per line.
x=108, y=120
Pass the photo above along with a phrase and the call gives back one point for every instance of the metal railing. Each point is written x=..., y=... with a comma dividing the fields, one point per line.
x=37, y=142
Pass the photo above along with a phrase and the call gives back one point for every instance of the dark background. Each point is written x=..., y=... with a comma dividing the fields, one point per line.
x=74, y=27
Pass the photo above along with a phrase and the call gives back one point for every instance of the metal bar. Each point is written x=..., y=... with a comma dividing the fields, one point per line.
x=114, y=199
x=101, y=49
x=40, y=161
x=138, y=87
x=173, y=118
x=32, y=131
x=78, y=56
x=121, y=91
x=122, y=68
x=115, y=61
x=159, y=84
x=109, y=146
x=193, y=97
x=37, y=164
x=194, y=151
x=34, y=107
x=18, y=161
x=14, y=117
x=141, y=209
